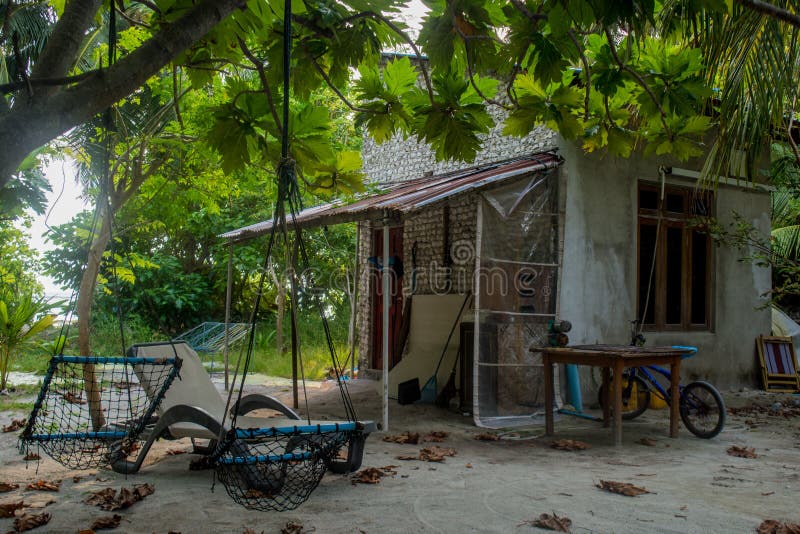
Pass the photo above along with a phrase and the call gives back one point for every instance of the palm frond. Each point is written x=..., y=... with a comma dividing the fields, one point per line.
x=786, y=241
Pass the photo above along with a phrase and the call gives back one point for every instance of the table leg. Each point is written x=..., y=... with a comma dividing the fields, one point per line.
x=618, y=368
x=548, y=394
x=608, y=394
x=674, y=414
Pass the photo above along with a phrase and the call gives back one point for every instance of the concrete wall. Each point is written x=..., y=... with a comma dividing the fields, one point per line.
x=598, y=285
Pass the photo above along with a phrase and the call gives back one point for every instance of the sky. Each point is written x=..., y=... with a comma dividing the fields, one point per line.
x=64, y=201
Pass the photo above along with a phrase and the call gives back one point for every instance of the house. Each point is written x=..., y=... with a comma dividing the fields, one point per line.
x=532, y=231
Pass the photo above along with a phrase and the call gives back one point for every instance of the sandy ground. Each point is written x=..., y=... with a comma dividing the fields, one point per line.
x=495, y=486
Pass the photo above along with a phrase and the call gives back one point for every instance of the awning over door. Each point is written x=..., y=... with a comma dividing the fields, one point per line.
x=400, y=200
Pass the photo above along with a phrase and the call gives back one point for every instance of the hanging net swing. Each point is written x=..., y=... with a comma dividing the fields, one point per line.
x=93, y=411
x=277, y=468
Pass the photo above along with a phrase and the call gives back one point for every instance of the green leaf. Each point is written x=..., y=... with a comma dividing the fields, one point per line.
x=400, y=76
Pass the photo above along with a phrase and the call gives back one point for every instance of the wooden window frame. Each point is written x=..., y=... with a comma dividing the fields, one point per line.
x=684, y=221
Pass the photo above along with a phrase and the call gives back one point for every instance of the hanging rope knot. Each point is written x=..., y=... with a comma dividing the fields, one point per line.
x=287, y=176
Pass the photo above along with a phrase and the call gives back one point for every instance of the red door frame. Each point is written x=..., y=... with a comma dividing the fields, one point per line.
x=395, y=299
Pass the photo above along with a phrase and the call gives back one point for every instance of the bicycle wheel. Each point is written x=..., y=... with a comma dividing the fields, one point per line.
x=635, y=396
x=702, y=409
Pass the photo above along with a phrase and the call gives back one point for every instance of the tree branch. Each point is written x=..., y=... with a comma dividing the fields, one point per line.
x=530, y=15
x=262, y=75
x=62, y=46
x=333, y=88
x=29, y=126
x=35, y=82
x=587, y=72
x=636, y=76
x=770, y=10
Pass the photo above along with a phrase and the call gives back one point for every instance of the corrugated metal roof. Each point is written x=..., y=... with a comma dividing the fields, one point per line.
x=402, y=199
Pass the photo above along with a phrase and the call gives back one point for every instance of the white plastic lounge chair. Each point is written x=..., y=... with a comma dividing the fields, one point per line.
x=193, y=407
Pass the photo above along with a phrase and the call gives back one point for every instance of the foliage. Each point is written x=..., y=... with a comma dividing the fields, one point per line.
x=612, y=75
x=23, y=316
x=19, y=261
x=758, y=249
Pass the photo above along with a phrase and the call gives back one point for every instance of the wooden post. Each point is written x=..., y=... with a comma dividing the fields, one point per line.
x=618, y=369
x=293, y=319
x=675, y=380
x=385, y=274
x=228, y=298
x=548, y=394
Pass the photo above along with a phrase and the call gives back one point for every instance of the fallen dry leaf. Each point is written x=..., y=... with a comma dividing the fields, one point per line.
x=622, y=488
x=253, y=493
x=86, y=531
x=110, y=500
x=7, y=509
x=468, y=466
x=373, y=475
x=649, y=442
x=771, y=526
x=31, y=456
x=96, y=498
x=570, y=445
x=742, y=452
x=107, y=522
x=29, y=522
x=436, y=436
x=72, y=398
x=7, y=486
x=487, y=436
x=552, y=522
x=370, y=475
x=435, y=454
x=16, y=424
x=411, y=438
x=44, y=485
x=293, y=527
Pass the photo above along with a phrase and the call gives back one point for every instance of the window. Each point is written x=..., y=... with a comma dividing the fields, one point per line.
x=674, y=259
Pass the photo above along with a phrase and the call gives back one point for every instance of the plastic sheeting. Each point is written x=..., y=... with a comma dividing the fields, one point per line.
x=515, y=285
x=783, y=325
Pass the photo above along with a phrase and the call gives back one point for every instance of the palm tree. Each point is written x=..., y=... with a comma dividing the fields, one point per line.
x=22, y=316
x=753, y=60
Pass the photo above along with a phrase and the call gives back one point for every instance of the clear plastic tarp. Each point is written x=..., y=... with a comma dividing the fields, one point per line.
x=515, y=287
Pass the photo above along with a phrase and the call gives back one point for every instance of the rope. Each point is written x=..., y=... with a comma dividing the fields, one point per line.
x=288, y=193
x=662, y=174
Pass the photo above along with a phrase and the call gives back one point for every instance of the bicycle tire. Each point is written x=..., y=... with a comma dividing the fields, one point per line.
x=702, y=409
x=642, y=401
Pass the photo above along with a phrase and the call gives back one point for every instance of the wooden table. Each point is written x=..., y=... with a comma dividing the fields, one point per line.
x=614, y=358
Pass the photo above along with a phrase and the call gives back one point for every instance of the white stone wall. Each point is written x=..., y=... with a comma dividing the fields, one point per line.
x=401, y=159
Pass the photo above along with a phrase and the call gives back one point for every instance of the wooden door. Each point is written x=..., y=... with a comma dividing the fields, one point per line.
x=395, y=295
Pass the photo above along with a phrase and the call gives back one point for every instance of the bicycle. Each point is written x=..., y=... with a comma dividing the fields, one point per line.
x=701, y=406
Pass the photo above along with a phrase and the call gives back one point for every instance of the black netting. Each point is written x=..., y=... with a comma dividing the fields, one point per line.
x=91, y=411
x=278, y=468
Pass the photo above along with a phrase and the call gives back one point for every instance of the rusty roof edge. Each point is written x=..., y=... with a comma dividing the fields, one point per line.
x=540, y=166
x=330, y=213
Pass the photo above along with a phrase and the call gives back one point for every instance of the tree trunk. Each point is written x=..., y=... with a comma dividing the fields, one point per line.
x=84, y=310
x=32, y=121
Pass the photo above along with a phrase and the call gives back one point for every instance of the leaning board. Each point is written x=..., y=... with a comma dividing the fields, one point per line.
x=778, y=363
